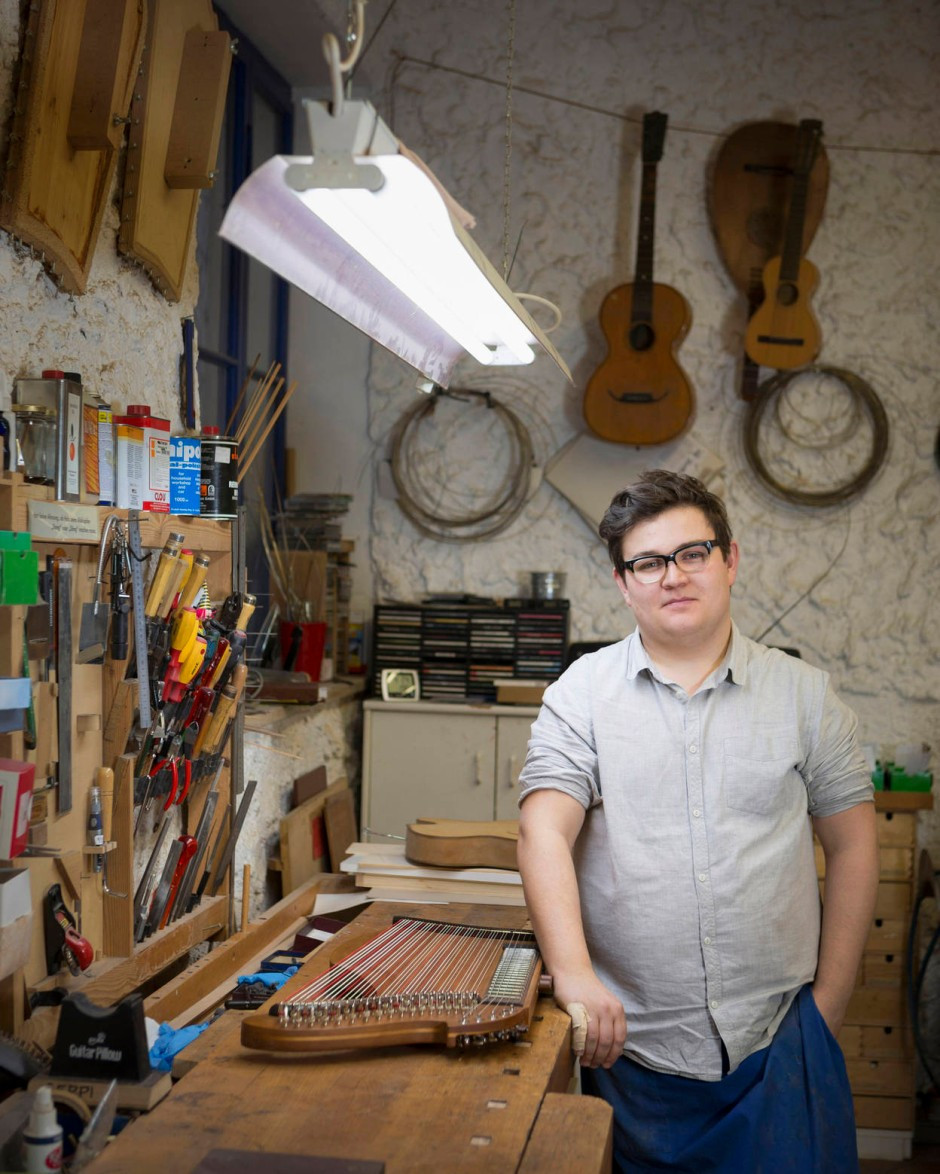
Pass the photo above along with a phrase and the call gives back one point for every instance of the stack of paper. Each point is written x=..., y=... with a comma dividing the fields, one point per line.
x=384, y=871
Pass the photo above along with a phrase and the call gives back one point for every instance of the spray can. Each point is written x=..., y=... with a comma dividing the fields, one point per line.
x=218, y=477
x=42, y=1138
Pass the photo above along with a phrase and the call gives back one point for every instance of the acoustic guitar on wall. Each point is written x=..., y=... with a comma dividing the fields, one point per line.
x=783, y=331
x=640, y=394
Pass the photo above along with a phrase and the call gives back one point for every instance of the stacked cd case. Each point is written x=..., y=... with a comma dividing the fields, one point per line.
x=462, y=650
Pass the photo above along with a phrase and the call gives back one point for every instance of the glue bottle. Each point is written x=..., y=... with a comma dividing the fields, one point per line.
x=42, y=1138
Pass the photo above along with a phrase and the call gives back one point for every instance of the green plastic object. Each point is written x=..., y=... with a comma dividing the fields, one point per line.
x=19, y=576
x=889, y=777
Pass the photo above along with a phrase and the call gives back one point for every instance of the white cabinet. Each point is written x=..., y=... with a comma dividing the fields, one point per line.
x=433, y=760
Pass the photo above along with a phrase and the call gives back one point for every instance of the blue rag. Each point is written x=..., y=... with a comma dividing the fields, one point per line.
x=172, y=1040
x=272, y=978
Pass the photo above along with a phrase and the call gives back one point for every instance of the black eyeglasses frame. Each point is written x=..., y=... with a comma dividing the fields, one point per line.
x=708, y=543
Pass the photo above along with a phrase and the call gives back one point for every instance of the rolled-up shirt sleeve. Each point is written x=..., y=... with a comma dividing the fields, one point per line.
x=562, y=755
x=836, y=774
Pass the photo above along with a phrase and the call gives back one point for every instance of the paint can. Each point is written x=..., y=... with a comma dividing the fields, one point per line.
x=218, y=477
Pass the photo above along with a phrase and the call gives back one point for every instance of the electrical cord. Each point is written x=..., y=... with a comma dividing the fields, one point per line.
x=414, y=496
x=862, y=393
x=915, y=985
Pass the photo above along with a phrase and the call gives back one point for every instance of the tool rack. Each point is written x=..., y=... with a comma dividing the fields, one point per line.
x=104, y=701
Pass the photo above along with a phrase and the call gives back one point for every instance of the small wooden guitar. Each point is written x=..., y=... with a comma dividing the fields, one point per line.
x=640, y=394
x=783, y=331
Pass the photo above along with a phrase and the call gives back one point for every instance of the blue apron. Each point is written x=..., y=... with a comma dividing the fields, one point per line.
x=786, y=1109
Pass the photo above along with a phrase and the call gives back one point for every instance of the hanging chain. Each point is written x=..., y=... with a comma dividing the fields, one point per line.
x=507, y=156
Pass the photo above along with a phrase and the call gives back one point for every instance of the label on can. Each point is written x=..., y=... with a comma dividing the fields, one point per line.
x=185, y=474
x=218, y=488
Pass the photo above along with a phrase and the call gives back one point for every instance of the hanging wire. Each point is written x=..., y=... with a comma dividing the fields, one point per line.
x=419, y=498
x=507, y=154
x=766, y=398
x=590, y=108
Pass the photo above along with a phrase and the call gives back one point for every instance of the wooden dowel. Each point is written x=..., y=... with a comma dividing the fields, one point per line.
x=257, y=423
x=246, y=894
x=257, y=400
x=243, y=466
x=272, y=750
x=241, y=393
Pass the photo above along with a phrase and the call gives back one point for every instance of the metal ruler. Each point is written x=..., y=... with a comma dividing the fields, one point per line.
x=140, y=620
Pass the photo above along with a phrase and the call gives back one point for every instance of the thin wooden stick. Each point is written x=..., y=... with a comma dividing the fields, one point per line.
x=243, y=466
x=241, y=393
x=273, y=750
x=246, y=894
x=256, y=401
x=248, y=440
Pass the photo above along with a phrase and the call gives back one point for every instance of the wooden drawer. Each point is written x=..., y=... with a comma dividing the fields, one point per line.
x=876, y=1043
x=893, y=902
x=897, y=829
x=886, y=970
x=887, y=937
x=884, y=1112
x=877, y=1007
x=888, y=1078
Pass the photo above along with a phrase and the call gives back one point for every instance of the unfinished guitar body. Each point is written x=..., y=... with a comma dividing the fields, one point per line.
x=639, y=394
x=462, y=843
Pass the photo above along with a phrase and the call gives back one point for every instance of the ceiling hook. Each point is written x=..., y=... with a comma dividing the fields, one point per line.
x=355, y=32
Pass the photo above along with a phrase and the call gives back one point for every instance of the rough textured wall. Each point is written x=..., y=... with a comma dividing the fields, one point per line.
x=593, y=67
x=122, y=335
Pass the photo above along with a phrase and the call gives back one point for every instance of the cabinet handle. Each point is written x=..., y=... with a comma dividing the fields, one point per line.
x=478, y=757
x=513, y=773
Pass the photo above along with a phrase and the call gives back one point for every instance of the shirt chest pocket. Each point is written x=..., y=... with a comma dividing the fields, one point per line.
x=760, y=773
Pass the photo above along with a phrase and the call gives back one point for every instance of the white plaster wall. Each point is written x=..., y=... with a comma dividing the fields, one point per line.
x=869, y=71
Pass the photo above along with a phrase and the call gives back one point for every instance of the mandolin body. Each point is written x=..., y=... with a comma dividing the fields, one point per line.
x=639, y=394
x=783, y=332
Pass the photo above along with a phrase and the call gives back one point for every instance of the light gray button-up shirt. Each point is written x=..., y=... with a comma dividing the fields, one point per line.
x=695, y=863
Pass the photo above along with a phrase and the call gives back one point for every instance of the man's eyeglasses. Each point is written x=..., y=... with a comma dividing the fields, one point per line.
x=691, y=558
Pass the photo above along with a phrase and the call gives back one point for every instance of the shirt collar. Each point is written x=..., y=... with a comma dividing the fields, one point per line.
x=733, y=666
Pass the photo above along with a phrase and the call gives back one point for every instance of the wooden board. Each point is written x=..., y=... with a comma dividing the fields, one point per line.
x=55, y=195
x=157, y=221
x=339, y=817
x=304, y=850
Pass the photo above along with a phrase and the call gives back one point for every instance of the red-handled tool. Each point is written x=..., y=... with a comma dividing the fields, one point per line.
x=189, y=851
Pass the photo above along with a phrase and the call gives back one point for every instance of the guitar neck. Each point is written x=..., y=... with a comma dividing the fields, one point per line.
x=793, y=238
x=806, y=147
x=643, y=273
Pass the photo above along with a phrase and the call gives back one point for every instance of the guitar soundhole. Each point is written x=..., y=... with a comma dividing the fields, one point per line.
x=641, y=336
x=787, y=293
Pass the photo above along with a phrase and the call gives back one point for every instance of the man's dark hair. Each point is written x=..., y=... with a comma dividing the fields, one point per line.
x=656, y=491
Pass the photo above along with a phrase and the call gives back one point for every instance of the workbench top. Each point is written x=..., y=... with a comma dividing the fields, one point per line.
x=500, y=1108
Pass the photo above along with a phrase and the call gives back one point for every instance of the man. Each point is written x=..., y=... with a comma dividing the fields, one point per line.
x=669, y=797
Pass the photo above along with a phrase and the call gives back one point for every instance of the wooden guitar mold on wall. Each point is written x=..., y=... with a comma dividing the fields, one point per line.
x=176, y=119
x=77, y=71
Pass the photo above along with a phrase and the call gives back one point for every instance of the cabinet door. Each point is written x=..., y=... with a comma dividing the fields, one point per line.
x=512, y=738
x=433, y=765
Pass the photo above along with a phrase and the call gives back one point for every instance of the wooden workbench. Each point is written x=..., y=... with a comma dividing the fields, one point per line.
x=501, y=1108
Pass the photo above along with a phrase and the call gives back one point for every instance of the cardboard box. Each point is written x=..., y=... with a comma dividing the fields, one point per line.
x=519, y=692
x=16, y=796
